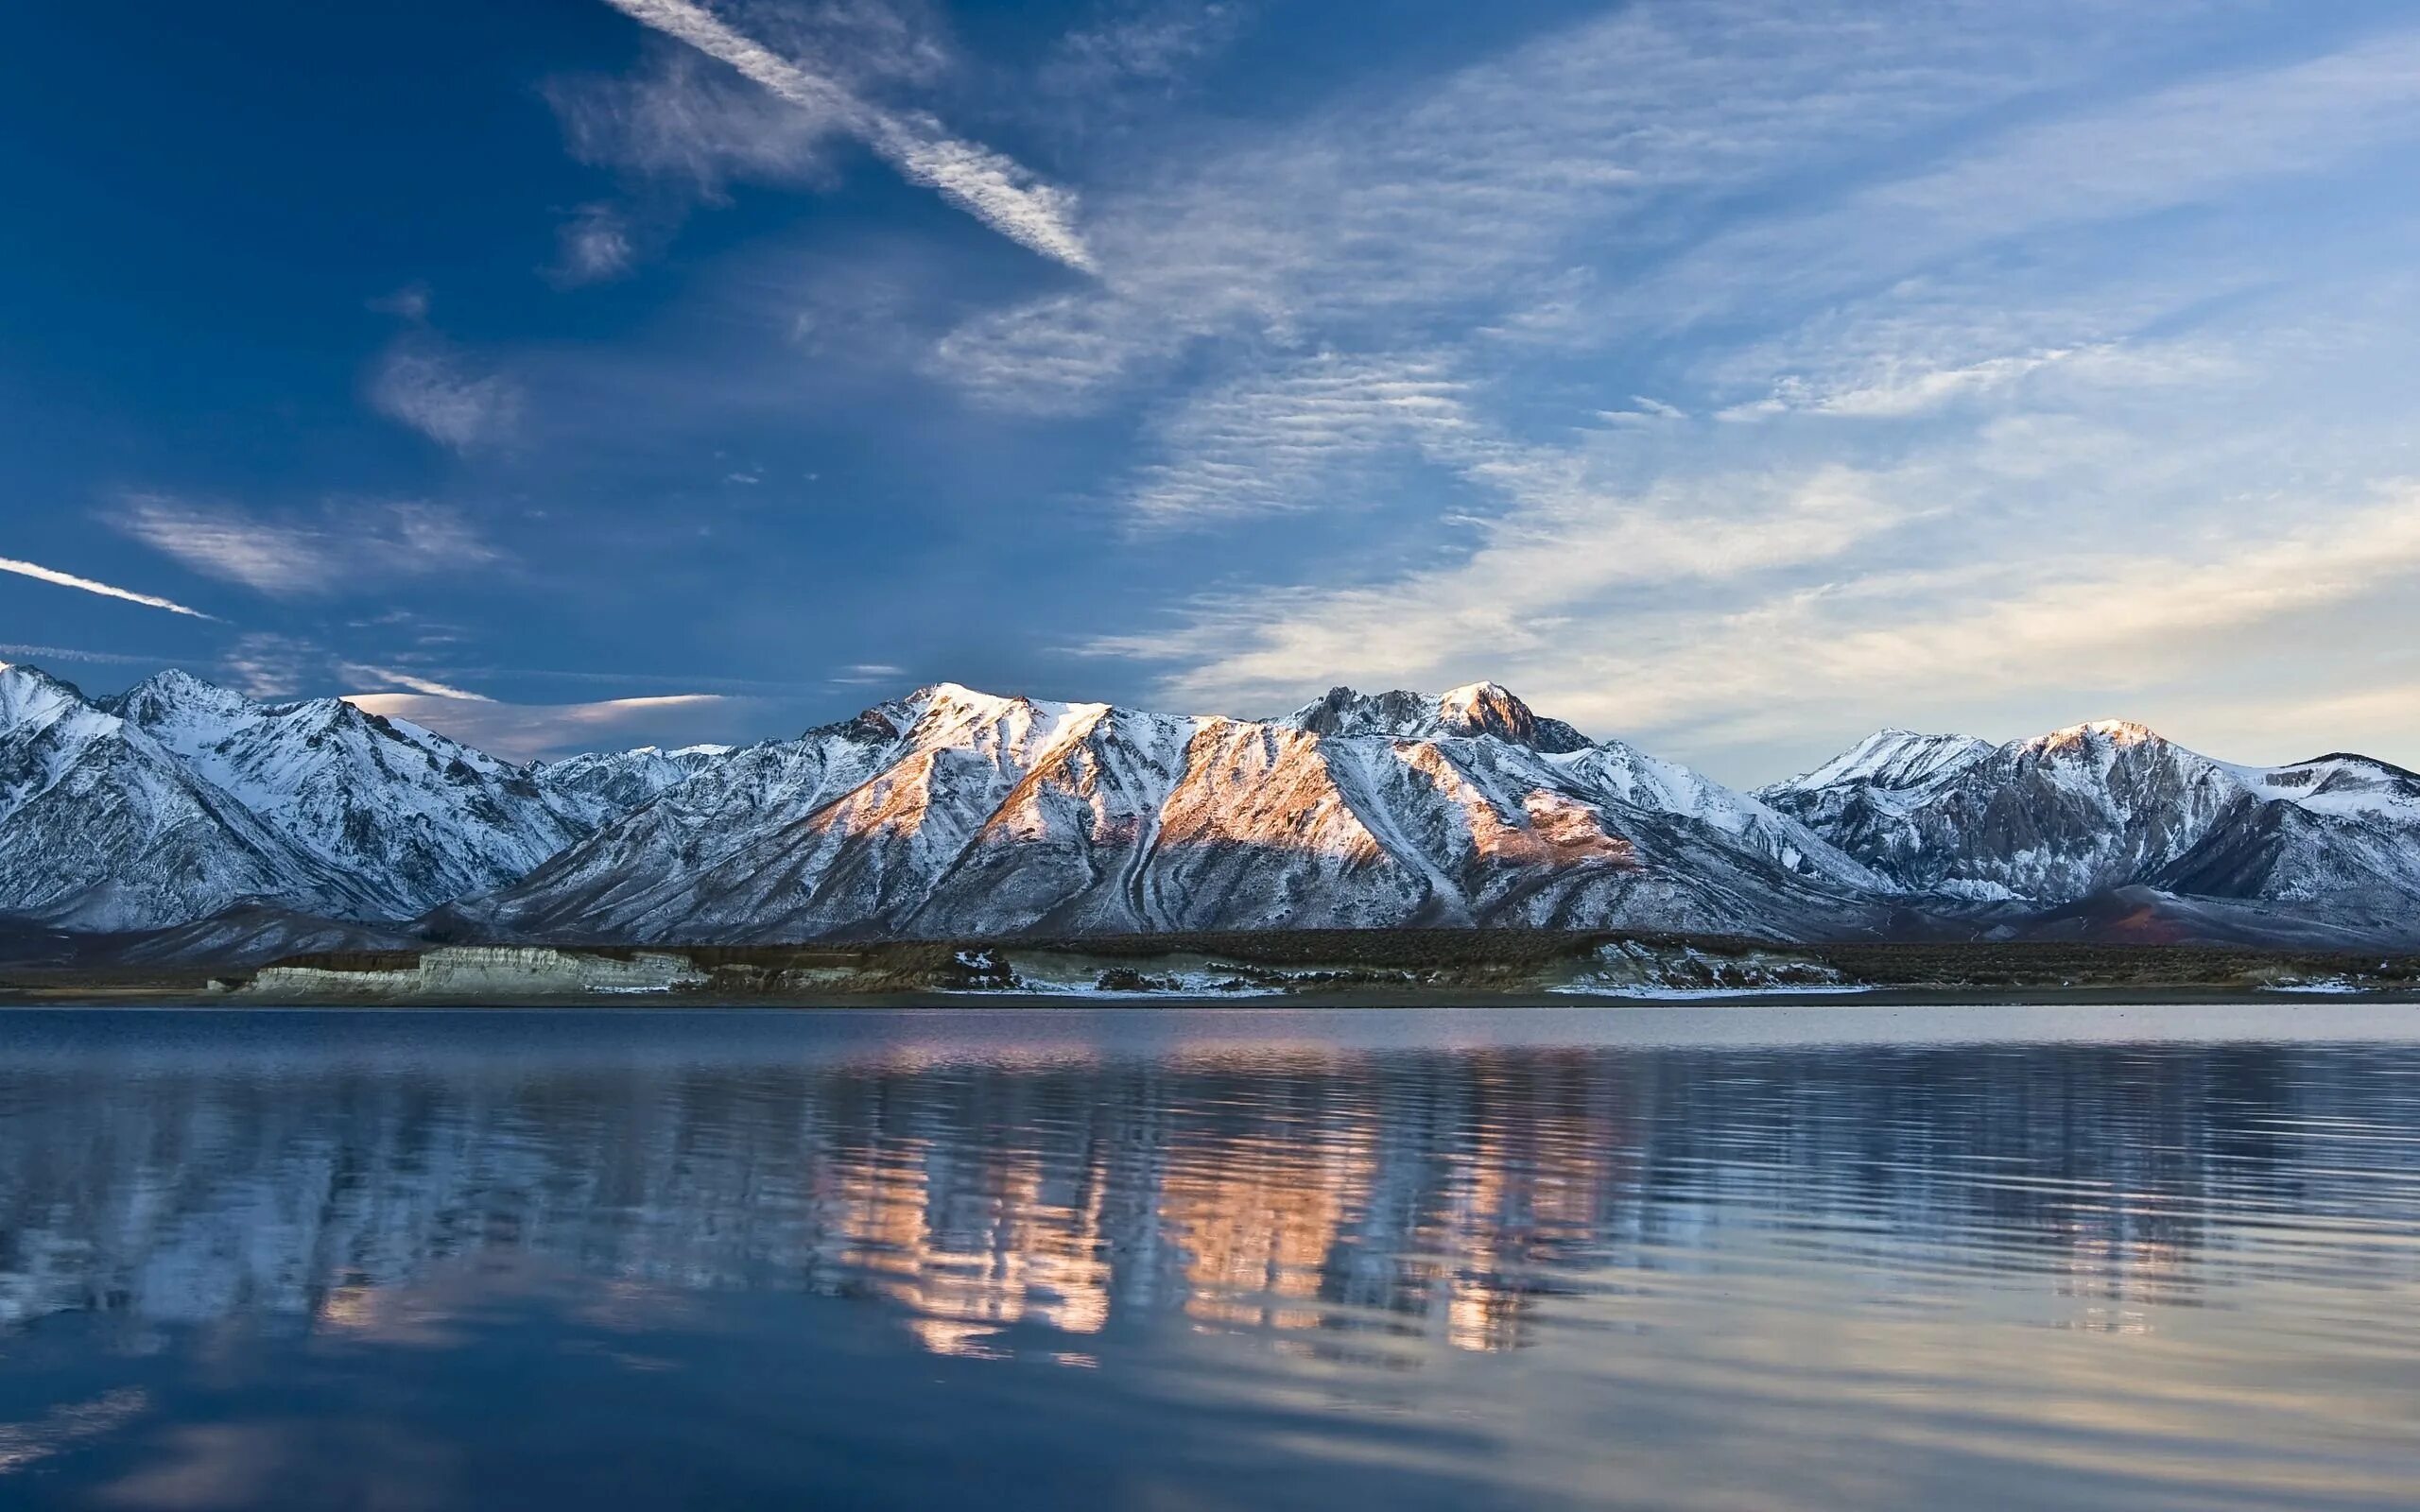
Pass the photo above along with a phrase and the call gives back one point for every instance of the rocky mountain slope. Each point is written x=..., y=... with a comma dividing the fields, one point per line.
x=101, y=829
x=2097, y=811
x=178, y=800
x=958, y=812
x=952, y=814
x=615, y=782
x=407, y=817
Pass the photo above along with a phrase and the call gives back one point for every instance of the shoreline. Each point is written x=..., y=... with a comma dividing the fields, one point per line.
x=184, y=1000
x=1445, y=969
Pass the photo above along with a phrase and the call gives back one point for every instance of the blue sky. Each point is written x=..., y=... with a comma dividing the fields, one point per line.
x=1731, y=376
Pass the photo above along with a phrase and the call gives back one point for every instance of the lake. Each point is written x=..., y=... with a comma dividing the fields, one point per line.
x=1813, y=1257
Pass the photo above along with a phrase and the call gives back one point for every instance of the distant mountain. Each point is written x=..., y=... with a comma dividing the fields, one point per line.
x=196, y=818
x=2096, y=810
x=616, y=781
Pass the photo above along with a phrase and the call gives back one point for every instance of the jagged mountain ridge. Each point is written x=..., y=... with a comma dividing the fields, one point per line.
x=102, y=829
x=616, y=781
x=953, y=813
x=2098, y=808
x=409, y=817
x=178, y=800
x=958, y=812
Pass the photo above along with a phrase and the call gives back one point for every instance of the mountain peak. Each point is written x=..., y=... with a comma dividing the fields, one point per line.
x=29, y=694
x=1492, y=709
x=1344, y=710
x=960, y=693
x=1473, y=708
x=2121, y=732
x=1892, y=758
x=174, y=690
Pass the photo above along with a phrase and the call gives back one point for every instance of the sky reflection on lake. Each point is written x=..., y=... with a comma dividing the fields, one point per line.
x=1815, y=1257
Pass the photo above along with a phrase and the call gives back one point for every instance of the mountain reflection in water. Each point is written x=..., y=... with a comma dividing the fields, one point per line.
x=1534, y=1261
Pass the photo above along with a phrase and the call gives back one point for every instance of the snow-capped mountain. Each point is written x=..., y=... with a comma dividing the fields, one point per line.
x=178, y=800
x=2093, y=809
x=615, y=782
x=1480, y=708
x=953, y=812
x=180, y=808
x=408, y=818
x=102, y=828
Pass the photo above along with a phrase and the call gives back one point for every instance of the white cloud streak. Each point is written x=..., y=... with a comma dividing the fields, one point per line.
x=1532, y=608
x=993, y=189
x=1277, y=442
x=2191, y=144
x=307, y=558
x=52, y=576
x=525, y=731
x=429, y=686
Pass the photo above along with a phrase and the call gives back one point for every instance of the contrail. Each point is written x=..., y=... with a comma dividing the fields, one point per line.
x=993, y=189
x=71, y=580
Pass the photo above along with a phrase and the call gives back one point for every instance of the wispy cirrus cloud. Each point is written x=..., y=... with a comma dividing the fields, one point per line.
x=307, y=556
x=2010, y=310
x=67, y=653
x=423, y=382
x=1463, y=201
x=2192, y=144
x=60, y=579
x=867, y=675
x=595, y=245
x=1282, y=442
x=1567, y=558
x=992, y=187
x=1139, y=44
x=2194, y=628
x=1530, y=609
x=265, y=665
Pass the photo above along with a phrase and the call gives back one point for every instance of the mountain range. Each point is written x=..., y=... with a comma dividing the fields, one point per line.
x=178, y=817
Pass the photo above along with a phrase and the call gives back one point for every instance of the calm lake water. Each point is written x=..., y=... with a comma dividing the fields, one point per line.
x=1805, y=1258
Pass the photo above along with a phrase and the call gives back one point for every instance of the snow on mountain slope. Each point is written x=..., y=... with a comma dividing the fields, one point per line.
x=604, y=784
x=957, y=813
x=654, y=871
x=101, y=829
x=1474, y=709
x=1642, y=781
x=1895, y=760
x=2099, y=807
x=409, y=818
